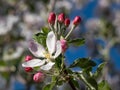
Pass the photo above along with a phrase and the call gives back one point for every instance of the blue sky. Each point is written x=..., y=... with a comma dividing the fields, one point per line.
x=88, y=12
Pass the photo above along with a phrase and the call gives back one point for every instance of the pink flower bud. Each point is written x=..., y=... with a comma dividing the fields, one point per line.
x=63, y=45
x=28, y=58
x=28, y=69
x=67, y=22
x=51, y=18
x=38, y=77
x=77, y=20
x=61, y=17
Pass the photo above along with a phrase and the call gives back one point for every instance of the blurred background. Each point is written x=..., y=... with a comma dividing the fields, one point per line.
x=20, y=19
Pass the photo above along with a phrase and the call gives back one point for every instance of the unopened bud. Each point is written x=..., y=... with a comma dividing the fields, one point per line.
x=28, y=58
x=61, y=17
x=51, y=18
x=76, y=20
x=28, y=69
x=38, y=77
x=67, y=22
x=63, y=45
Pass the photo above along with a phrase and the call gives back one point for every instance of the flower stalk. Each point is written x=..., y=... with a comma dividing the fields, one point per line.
x=73, y=27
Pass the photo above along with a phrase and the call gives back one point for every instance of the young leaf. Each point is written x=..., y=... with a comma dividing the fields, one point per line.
x=77, y=42
x=87, y=71
x=83, y=63
x=40, y=38
x=89, y=81
x=58, y=62
x=99, y=70
x=69, y=71
x=103, y=85
x=75, y=82
x=93, y=83
x=47, y=87
x=45, y=30
x=60, y=82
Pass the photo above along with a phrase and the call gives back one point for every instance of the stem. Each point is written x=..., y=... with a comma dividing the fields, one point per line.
x=63, y=66
x=63, y=31
x=69, y=82
x=73, y=27
x=85, y=81
x=59, y=29
x=56, y=28
x=53, y=29
x=72, y=85
x=56, y=24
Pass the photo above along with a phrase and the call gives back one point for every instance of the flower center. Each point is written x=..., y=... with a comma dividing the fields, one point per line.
x=47, y=55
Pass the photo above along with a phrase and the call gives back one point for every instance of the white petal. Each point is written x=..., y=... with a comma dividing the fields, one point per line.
x=48, y=66
x=51, y=41
x=33, y=63
x=36, y=49
x=58, y=49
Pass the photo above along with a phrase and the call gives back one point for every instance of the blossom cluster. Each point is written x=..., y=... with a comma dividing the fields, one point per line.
x=56, y=44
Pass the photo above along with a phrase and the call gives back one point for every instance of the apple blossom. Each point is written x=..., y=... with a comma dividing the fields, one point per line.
x=54, y=50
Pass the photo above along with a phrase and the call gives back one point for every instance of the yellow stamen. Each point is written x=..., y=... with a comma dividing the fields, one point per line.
x=47, y=55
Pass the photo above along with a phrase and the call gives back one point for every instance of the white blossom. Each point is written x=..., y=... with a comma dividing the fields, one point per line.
x=54, y=50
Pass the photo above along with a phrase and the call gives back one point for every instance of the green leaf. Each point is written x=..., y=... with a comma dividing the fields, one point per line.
x=77, y=42
x=50, y=85
x=58, y=62
x=47, y=87
x=92, y=82
x=75, y=82
x=45, y=30
x=99, y=70
x=83, y=63
x=89, y=81
x=40, y=38
x=103, y=85
x=60, y=82
x=87, y=71
x=69, y=71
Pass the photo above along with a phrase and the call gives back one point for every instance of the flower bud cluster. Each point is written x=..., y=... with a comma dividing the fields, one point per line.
x=59, y=25
x=58, y=37
x=61, y=19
